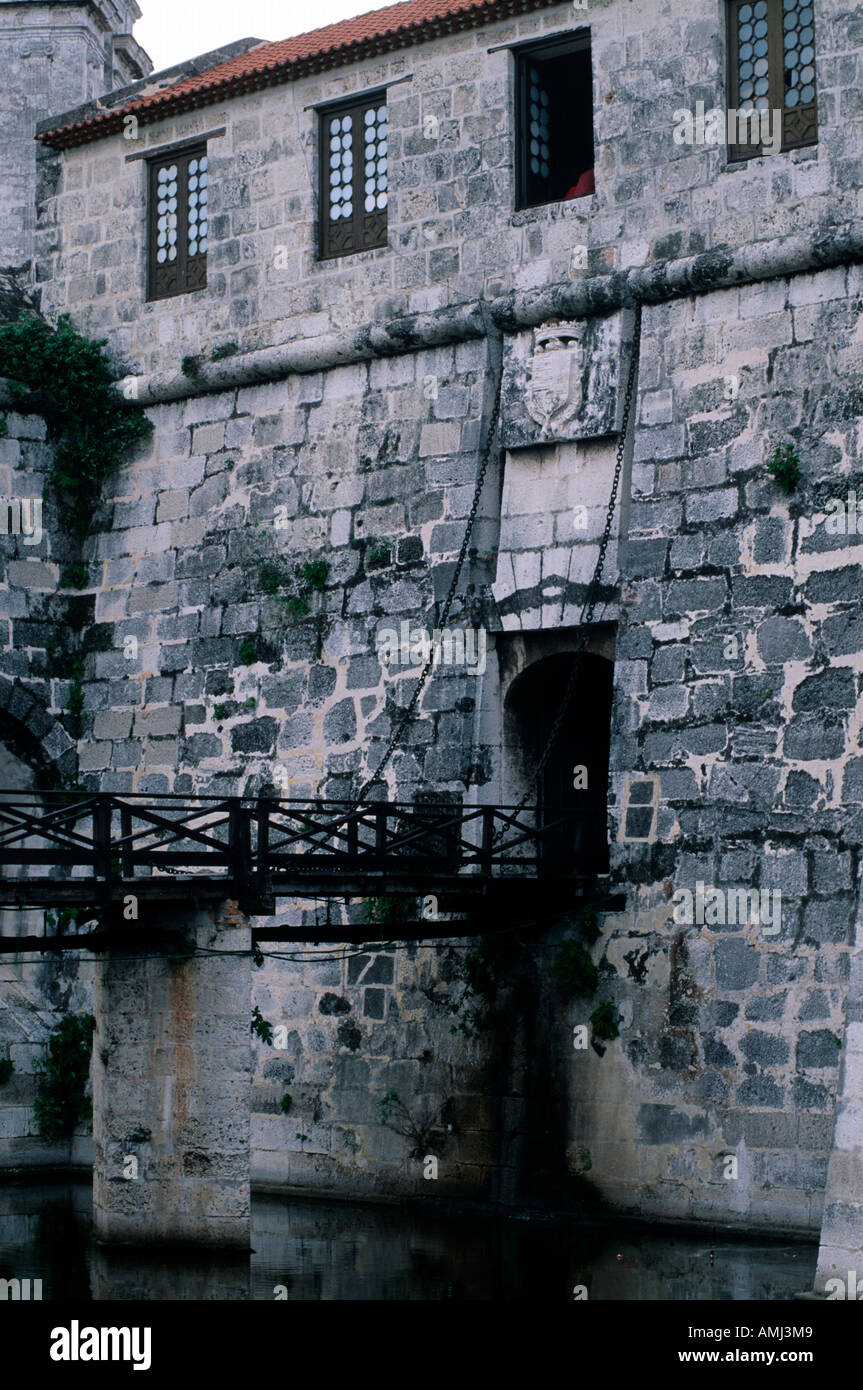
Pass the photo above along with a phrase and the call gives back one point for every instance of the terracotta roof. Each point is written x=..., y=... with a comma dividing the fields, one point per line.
x=268, y=64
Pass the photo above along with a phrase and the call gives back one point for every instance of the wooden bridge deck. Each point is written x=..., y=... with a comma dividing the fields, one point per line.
x=96, y=850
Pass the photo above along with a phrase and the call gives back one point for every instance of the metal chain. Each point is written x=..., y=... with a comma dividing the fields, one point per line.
x=448, y=602
x=592, y=595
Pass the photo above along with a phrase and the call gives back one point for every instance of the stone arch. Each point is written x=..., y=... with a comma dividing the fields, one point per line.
x=35, y=736
x=36, y=753
x=572, y=793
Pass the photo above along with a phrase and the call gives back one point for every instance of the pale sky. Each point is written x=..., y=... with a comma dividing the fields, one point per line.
x=172, y=30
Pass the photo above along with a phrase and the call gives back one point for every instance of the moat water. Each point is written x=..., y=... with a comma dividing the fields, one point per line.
x=312, y=1250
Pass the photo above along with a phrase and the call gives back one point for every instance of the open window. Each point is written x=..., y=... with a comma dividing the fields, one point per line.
x=554, y=121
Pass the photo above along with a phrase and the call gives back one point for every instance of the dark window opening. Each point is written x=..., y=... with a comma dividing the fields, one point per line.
x=771, y=58
x=354, y=177
x=572, y=793
x=554, y=123
x=178, y=223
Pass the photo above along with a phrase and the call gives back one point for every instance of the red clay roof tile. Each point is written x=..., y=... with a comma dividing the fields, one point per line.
x=397, y=26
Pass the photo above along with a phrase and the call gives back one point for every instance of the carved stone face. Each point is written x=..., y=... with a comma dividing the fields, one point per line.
x=554, y=389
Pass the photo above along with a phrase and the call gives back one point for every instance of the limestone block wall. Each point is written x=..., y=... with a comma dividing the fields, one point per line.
x=737, y=650
x=736, y=680
x=359, y=468
x=737, y=686
x=453, y=231
x=351, y=467
x=352, y=1032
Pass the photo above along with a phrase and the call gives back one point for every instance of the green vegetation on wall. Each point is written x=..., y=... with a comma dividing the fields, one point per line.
x=63, y=1073
x=784, y=468
x=260, y=1027
x=89, y=426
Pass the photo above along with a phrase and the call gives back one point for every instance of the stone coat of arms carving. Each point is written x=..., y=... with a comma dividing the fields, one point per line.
x=562, y=380
x=554, y=391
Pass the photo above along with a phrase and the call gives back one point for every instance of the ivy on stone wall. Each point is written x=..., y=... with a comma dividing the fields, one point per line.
x=63, y=1074
x=90, y=427
x=69, y=379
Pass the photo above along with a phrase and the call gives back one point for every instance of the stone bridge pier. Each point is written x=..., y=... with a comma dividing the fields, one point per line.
x=172, y=1087
x=840, y=1253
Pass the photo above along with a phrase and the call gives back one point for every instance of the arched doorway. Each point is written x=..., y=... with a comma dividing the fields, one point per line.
x=572, y=790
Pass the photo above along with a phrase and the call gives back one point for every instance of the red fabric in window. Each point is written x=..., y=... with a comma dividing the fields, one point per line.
x=586, y=184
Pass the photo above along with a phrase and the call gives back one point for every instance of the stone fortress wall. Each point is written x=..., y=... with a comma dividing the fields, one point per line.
x=736, y=641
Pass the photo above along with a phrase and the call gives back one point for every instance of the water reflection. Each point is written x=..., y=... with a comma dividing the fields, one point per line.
x=311, y=1250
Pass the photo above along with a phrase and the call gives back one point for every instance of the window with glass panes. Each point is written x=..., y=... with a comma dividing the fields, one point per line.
x=178, y=223
x=354, y=177
x=772, y=67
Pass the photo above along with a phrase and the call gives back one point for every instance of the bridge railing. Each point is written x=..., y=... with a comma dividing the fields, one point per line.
x=255, y=839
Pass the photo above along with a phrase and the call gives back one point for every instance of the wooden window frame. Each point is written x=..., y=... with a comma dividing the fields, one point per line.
x=560, y=47
x=367, y=231
x=189, y=274
x=799, y=124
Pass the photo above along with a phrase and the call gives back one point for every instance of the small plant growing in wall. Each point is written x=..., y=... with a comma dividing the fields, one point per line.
x=74, y=576
x=260, y=1028
x=90, y=428
x=574, y=973
x=784, y=468
x=603, y=1023
x=396, y=1116
x=191, y=367
x=378, y=555
x=285, y=1103
x=63, y=1073
x=495, y=977
x=310, y=579
x=223, y=350
x=383, y=911
x=76, y=917
x=297, y=606
x=295, y=589
x=271, y=577
x=247, y=651
x=315, y=574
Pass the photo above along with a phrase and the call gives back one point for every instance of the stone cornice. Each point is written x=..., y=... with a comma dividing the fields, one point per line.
x=656, y=283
